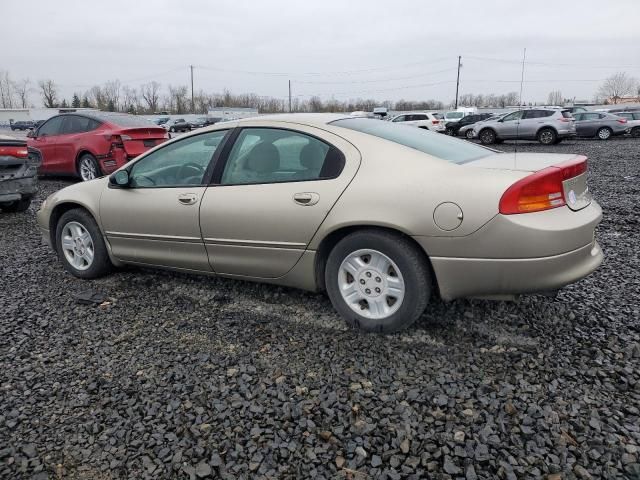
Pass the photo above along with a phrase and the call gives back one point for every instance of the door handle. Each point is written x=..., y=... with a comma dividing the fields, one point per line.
x=306, y=199
x=187, y=198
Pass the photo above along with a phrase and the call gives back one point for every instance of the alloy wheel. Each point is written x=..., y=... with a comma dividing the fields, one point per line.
x=77, y=245
x=371, y=284
x=87, y=169
x=546, y=137
x=604, y=133
x=469, y=134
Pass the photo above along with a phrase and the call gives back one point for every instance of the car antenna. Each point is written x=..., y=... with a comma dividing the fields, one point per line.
x=524, y=56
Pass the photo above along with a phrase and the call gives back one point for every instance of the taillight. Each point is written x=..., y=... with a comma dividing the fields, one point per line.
x=116, y=140
x=435, y=122
x=542, y=190
x=18, y=152
x=563, y=119
x=622, y=120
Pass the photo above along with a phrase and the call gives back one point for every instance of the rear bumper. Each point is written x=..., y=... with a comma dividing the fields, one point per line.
x=15, y=189
x=471, y=277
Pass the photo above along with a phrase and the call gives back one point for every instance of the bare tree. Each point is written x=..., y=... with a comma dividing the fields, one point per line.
x=111, y=92
x=616, y=86
x=555, y=98
x=22, y=89
x=49, y=92
x=99, y=98
x=150, y=93
x=6, y=90
x=130, y=99
x=178, y=98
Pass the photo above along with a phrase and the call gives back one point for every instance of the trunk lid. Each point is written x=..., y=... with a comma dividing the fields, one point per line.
x=574, y=186
x=138, y=140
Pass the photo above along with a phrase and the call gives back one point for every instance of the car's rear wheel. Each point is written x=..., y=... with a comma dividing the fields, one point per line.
x=88, y=168
x=378, y=281
x=171, y=130
x=17, y=206
x=487, y=136
x=635, y=132
x=547, y=136
x=80, y=245
x=604, y=133
x=469, y=134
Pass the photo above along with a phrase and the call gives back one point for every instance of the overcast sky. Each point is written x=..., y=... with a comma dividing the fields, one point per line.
x=349, y=49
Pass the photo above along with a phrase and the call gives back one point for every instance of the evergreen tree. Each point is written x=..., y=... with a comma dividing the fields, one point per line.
x=75, y=103
x=131, y=110
x=85, y=103
x=64, y=104
x=110, y=106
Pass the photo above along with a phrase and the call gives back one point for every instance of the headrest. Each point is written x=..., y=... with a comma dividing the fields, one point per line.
x=263, y=158
x=312, y=156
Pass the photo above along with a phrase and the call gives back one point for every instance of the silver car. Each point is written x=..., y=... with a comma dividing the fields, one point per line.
x=633, y=120
x=600, y=124
x=547, y=125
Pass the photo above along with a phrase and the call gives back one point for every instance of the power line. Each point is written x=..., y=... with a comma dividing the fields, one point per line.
x=336, y=82
x=550, y=64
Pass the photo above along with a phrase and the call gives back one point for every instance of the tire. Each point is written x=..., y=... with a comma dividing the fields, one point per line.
x=68, y=224
x=487, y=136
x=547, y=136
x=450, y=132
x=88, y=168
x=635, y=132
x=604, y=133
x=18, y=206
x=469, y=134
x=172, y=130
x=392, y=260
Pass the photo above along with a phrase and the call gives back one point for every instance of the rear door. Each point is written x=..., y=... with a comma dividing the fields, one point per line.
x=587, y=125
x=531, y=122
x=270, y=195
x=45, y=141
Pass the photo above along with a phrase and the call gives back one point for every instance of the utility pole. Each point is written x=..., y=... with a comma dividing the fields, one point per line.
x=193, y=105
x=458, y=81
x=289, y=96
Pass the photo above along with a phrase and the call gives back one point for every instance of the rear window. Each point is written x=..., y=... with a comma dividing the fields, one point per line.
x=441, y=146
x=124, y=120
x=454, y=115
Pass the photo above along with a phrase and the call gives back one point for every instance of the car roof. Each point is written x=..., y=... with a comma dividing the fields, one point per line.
x=304, y=118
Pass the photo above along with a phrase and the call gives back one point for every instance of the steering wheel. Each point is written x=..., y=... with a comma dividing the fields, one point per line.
x=182, y=172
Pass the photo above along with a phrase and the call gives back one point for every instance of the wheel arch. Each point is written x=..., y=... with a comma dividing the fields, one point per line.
x=59, y=210
x=332, y=238
x=546, y=127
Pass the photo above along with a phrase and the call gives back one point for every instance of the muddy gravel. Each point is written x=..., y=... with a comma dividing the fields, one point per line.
x=179, y=376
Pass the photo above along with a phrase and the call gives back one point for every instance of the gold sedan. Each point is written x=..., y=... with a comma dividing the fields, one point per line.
x=382, y=216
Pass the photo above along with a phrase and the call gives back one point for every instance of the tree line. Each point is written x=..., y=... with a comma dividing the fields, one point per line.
x=152, y=97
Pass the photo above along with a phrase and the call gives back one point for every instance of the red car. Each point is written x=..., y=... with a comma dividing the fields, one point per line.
x=90, y=145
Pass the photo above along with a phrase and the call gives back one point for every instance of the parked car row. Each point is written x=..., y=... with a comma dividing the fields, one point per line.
x=428, y=120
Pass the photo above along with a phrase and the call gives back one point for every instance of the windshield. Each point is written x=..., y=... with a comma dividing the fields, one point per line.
x=454, y=115
x=441, y=146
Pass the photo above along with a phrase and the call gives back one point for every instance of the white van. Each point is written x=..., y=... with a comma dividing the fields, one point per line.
x=459, y=114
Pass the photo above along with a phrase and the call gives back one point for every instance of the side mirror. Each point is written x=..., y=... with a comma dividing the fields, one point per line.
x=32, y=134
x=120, y=179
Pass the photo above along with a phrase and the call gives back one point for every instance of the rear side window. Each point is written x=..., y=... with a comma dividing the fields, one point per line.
x=272, y=155
x=566, y=114
x=401, y=118
x=419, y=117
x=77, y=124
x=435, y=144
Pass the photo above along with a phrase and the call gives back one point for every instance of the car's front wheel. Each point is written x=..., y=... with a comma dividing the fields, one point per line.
x=487, y=136
x=378, y=281
x=449, y=131
x=80, y=245
x=469, y=134
x=604, y=133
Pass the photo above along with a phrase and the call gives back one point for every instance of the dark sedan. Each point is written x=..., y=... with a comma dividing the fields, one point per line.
x=453, y=128
x=22, y=125
x=599, y=124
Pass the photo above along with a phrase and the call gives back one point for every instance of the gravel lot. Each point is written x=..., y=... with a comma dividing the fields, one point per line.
x=189, y=377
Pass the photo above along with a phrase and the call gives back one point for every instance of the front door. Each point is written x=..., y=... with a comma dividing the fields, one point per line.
x=45, y=141
x=270, y=196
x=510, y=125
x=155, y=220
